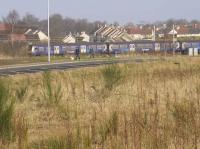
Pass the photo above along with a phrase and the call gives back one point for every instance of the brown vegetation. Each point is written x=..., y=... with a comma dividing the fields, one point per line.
x=150, y=105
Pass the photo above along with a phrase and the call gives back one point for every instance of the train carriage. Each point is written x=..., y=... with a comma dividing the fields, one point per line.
x=124, y=48
x=100, y=49
x=144, y=47
x=119, y=48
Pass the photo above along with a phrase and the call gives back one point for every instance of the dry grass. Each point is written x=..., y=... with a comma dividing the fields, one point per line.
x=151, y=105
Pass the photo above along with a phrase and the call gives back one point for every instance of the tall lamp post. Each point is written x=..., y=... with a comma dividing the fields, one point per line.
x=173, y=40
x=49, y=47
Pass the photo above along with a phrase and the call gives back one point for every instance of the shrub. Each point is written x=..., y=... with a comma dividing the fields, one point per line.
x=51, y=93
x=6, y=113
x=112, y=76
x=21, y=91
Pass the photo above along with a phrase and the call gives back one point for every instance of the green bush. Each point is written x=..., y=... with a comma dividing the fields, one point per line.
x=51, y=93
x=112, y=76
x=21, y=91
x=6, y=112
x=18, y=49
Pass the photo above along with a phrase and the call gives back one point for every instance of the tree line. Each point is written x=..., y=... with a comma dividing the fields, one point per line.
x=61, y=26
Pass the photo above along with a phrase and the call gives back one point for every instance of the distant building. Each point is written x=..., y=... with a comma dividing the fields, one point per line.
x=36, y=35
x=7, y=34
x=180, y=31
x=42, y=36
x=190, y=31
x=69, y=39
x=20, y=33
x=112, y=34
x=85, y=37
x=139, y=33
x=173, y=32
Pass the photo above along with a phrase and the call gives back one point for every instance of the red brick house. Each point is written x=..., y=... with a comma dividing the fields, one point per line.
x=140, y=32
x=17, y=35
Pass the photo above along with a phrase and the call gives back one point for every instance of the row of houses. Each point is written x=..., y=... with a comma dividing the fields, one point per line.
x=152, y=32
x=112, y=34
x=106, y=33
x=26, y=33
x=21, y=33
x=76, y=38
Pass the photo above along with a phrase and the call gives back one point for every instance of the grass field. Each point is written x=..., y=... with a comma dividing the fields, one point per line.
x=16, y=60
x=150, y=105
x=10, y=60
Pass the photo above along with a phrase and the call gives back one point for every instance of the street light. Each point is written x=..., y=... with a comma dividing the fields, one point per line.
x=173, y=40
x=49, y=48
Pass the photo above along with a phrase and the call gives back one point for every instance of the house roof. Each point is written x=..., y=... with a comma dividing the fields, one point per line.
x=173, y=31
x=69, y=39
x=183, y=30
x=119, y=34
x=138, y=30
x=4, y=27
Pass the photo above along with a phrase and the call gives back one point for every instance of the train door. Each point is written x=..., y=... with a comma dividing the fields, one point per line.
x=41, y=50
x=35, y=50
x=56, y=50
x=132, y=47
x=157, y=46
x=83, y=48
x=177, y=45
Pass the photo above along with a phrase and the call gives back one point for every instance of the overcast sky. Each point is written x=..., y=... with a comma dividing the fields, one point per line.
x=122, y=11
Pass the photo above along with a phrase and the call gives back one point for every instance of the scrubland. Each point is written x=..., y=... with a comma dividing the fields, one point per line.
x=149, y=105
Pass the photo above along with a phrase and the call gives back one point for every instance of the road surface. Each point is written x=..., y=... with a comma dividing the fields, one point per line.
x=33, y=68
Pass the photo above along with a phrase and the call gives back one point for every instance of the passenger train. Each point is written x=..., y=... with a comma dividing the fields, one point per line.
x=113, y=48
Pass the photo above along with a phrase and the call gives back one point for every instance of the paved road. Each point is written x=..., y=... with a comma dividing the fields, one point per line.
x=20, y=69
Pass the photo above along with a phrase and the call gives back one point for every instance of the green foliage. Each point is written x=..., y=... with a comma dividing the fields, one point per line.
x=6, y=113
x=51, y=92
x=112, y=76
x=21, y=91
x=19, y=50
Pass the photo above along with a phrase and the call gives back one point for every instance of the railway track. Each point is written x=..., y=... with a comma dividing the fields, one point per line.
x=34, y=68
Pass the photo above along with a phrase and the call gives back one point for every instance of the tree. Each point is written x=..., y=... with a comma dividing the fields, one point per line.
x=12, y=19
x=30, y=20
x=129, y=24
x=181, y=22
x=170, y=23
x=115, y=24
x=194, y=22
x=57, y=25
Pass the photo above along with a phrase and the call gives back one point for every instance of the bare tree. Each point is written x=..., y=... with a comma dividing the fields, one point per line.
x=12, y=19
x=57, y=25
x=30, y=20
x=129, y=24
